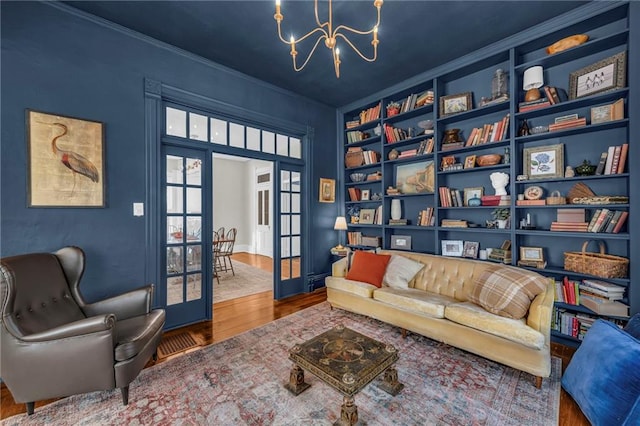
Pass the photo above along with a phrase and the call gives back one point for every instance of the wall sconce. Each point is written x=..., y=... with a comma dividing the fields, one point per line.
x=340, y=225
x=531, y=82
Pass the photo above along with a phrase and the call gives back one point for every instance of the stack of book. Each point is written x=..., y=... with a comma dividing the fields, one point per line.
x=488, y=133
x=613, y=161
x=603, y=298
x=370, y=114
x=353, y=123
x=532, y=105
x=425, y=217
x=398, y=222
x=452, y=145
x=393, y=191
x=496, y=200
x=607, y=221
x=567, y=122
x=572, y=220
x=408, y=153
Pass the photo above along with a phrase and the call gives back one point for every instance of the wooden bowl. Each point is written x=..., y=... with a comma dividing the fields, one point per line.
x=488, y=160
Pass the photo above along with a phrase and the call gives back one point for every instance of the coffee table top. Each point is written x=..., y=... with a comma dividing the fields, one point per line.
x=344, y=359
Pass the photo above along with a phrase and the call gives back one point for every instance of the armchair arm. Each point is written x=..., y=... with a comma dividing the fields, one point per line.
x=339, y=267
x=539, y=317
x=126, y=305
x=77, y=328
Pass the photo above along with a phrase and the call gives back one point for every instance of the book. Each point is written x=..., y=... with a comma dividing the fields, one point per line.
x=603, y=307
x=623, y=158
x=621, y=220
x=604, y=286
x=599, y=220
x=601, y=164
x=607, y=167
x=616, y=159
x=612, y=222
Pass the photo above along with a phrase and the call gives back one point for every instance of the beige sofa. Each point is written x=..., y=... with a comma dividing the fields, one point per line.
x=436, y=305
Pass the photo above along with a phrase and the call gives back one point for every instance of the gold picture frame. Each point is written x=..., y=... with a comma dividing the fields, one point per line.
x=470, y=162
x=366, y=216
x=544, y=162
x=469, y=193
x=531, y=254
x=66, y=161
x=327, y=191
x=455, y=104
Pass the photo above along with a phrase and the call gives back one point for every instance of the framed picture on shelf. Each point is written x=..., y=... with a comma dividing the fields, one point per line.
x=365, y=195
x=544, y=162
x=66, y=161
x=366, y=216
x=454, y=104
x=470, y=162
x=327, y=190
x=610, y=112
x=416, y=178
x=470, y=249
x=531, y=254
x=605, y=75
x=401, y=242
x=453, y=248
x=470, y=193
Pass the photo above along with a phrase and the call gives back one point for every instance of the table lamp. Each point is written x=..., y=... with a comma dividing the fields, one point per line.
x=532, y=81
x=340, y=225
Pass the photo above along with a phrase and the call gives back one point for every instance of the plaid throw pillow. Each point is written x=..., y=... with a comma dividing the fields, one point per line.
x=507, y=291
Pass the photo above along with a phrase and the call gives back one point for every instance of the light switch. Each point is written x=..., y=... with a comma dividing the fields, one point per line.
x=138, y=209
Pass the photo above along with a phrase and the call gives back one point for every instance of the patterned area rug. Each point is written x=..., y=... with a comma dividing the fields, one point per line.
x=247, y=280
x=240, y=381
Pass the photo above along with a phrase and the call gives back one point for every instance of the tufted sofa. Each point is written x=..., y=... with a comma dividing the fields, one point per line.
x=436, y=304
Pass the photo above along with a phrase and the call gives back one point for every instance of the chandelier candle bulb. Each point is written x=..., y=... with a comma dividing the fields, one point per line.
x=293, y=46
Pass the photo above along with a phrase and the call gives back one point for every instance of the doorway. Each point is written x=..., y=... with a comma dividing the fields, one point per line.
x=242, y=195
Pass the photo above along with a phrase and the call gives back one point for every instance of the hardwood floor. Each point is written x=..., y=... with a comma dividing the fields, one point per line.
x=232, y=317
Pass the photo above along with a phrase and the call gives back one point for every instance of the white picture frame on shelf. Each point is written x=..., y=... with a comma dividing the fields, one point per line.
x=452, y=248
x=401, y=242
x=365, y=195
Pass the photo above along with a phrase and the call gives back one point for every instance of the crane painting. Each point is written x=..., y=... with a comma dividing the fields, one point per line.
x=66, y=159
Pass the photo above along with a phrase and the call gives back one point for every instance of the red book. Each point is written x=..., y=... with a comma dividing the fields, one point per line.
x=471, y=136
x=623, y=158
x=621, y=221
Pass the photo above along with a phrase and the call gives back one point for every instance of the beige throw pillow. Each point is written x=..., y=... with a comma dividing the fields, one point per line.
x=507, y=291
x=400, y=271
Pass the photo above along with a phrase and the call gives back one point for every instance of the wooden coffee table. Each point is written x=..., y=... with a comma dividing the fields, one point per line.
x=347, y=361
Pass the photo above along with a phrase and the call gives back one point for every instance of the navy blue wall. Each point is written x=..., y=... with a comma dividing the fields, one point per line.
x=57, y=61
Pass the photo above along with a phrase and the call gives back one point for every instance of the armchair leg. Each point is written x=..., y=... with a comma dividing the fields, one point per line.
x=30, y=407
x=538, y=382
x=125, y=395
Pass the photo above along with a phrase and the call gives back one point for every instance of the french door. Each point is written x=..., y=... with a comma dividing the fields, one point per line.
x=186, y=276
x=289, y=258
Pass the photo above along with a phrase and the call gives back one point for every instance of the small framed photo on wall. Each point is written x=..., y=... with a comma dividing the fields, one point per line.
x=327, y=190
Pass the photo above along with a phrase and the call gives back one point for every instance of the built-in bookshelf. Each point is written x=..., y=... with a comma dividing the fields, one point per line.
x=437, y=157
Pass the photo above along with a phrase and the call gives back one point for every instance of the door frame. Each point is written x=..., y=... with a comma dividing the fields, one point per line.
x=257, y=188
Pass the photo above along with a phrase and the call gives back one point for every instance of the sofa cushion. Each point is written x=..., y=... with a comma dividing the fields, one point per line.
x=354, y=287
x=507, y=291
x=603, y=376
x=400, y=271
x=516, y=330
x=633, y=326
x=368, y=267
x=410, y=299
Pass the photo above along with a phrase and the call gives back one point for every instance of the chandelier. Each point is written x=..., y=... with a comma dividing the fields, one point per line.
x=330, y=35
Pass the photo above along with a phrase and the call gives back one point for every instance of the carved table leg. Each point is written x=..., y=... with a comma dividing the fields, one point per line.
x=390, y=383
x=296, y=383
x=348, y=413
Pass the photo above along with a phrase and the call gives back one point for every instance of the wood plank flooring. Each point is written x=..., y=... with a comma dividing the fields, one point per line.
x=232, y=317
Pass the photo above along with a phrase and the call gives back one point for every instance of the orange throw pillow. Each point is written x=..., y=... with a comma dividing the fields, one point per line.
x=368, y=267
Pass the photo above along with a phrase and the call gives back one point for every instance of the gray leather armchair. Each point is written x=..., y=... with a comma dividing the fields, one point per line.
x=55, y=344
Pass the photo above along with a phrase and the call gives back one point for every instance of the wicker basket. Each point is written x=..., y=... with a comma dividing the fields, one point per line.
x=598, y=264
x=555, y=199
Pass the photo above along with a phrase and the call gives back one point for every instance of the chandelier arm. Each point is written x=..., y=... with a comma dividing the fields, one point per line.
x=315, y=8
x=353, y=30
x=288, y=42
x=308, y=56
x=375, y=49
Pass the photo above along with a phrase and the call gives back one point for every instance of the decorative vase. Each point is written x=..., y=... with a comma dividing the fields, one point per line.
x=451, y=136
x=502, y=223
x=396, y=209
x=392, y=111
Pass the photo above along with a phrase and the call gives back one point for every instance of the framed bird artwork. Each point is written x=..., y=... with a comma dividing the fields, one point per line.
x=66, y=161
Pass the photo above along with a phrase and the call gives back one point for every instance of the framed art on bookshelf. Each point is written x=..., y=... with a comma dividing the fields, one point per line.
x=543, y=162
x=454, y=104
x=470, y=193
x=367, y=216
x=607, y=74
x=470, y=162
x=365, y=195
x=416, y=178
x=470, y=249
x=453, y=248
x=401, y=242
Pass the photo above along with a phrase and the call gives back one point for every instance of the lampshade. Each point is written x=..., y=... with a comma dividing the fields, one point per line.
x=341, y=224
x=533, y=78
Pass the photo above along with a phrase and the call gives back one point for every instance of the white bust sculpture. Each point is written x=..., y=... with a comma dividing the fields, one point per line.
x=499, y=181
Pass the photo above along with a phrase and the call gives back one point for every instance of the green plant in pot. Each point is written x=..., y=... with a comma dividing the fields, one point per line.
x=501, y=216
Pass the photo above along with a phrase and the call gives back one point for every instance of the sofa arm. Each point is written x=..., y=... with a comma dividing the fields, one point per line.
x=339, y=268
x=540, y=311
x=126, y=305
